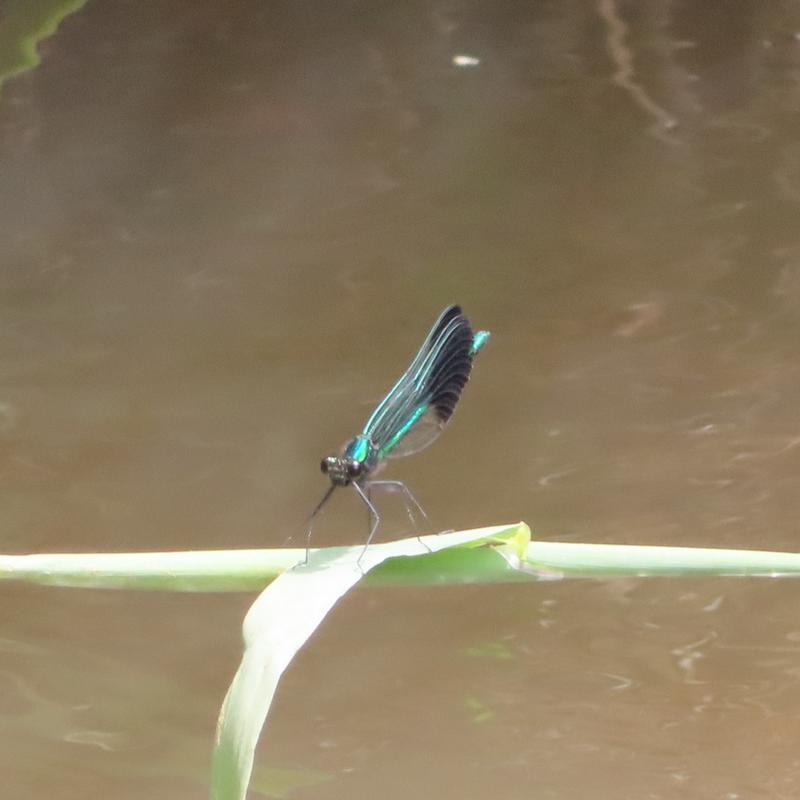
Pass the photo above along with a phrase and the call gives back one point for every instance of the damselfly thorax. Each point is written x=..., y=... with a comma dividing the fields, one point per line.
x=359, y=459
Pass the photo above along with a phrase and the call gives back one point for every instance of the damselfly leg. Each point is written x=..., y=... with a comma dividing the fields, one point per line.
x=314, y=513
x=409, y=501
x=364, y=491
x=375, y=519
x=368, y=492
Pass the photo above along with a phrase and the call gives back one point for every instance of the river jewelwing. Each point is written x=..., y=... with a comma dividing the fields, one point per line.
x=410, y=417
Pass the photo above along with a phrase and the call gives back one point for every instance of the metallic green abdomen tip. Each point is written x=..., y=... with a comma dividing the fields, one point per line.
x=479, y=340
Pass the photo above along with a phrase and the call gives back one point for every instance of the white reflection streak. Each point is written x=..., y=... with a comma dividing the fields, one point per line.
x=745, y=455
x=714, y=604
x=110, y=742
x=463, y=60
x=622, y=683
x=553, y=476
x=688, y=654
x=622, y=58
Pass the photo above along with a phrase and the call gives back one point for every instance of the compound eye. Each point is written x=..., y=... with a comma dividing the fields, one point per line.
x=324, y=465
x=353, y=468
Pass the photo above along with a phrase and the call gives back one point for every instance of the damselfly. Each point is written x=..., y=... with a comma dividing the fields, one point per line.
x=410, y=417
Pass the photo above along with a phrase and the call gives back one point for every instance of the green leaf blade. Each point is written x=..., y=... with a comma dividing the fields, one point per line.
x=281, y=620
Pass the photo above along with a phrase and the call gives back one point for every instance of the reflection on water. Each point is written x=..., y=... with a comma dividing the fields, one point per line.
x=225, y=230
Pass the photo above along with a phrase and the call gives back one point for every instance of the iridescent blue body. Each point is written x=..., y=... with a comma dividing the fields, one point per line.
x=413, y=413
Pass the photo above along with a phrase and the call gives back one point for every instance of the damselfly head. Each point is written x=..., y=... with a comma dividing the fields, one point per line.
x=341, y=470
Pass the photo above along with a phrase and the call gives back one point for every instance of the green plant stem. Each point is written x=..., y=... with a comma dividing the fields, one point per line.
x=249, y=570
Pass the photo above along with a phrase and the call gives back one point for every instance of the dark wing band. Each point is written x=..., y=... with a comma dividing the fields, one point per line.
x=433, y=382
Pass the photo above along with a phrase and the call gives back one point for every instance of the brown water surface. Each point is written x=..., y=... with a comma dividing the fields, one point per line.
x=227, y=226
